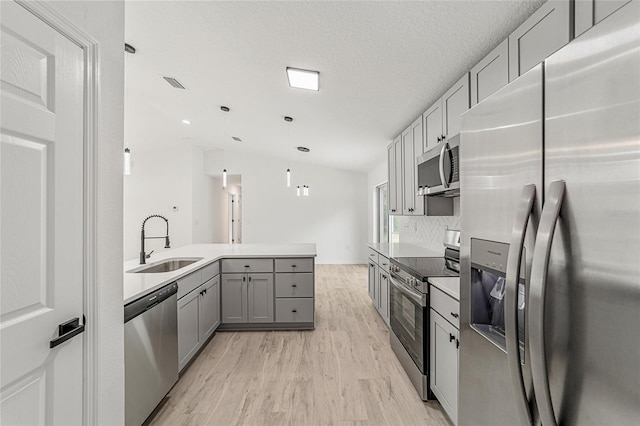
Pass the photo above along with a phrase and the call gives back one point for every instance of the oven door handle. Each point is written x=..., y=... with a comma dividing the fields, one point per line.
x=418, y=299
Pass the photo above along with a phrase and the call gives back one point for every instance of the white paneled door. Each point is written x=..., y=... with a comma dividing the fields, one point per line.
x=41, y=221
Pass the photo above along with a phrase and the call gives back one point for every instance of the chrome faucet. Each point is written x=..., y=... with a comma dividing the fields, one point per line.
x=143, y=255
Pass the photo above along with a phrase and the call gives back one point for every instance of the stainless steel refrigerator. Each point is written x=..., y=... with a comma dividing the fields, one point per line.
x=550, y=243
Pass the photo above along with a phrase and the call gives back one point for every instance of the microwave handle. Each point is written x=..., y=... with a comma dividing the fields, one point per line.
x=444, y=149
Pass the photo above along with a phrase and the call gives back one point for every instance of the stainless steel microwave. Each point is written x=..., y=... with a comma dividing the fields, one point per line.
x=439, y=170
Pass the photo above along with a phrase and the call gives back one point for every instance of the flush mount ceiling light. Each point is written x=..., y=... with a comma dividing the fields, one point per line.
x=303, y=79
x=186, y=121
x=235, y=138
x=303, y=149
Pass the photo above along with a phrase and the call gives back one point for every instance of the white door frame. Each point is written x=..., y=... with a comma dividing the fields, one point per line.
x=91, y=294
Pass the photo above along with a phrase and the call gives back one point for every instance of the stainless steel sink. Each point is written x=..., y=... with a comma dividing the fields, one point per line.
x=167, y=265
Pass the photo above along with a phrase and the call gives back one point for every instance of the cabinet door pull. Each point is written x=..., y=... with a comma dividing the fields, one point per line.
x=293, y=266
x=294, y=285
x=457, y=343
x=247, y=266
x=244, y=279
x=249, y=278
x=294, y=311
x=453, y=314
x=451, y=337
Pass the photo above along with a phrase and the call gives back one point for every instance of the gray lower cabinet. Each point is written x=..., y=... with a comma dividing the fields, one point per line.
x=198, y=318
x=188, y=329
x=379, y=285
x=233, y=298
x=294, y=309
x=444, y=343
x=260, y=297
x=210, y=307
x=247, y=298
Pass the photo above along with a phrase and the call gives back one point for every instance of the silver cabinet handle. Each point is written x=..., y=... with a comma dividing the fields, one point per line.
x=514, y=260
x=441, y=164
x=537, y=290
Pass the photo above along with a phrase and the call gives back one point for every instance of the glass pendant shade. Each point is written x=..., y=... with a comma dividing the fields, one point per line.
x=127, y=161
x=224, y=178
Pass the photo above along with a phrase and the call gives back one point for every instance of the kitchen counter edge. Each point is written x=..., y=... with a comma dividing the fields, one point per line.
x=137, y=285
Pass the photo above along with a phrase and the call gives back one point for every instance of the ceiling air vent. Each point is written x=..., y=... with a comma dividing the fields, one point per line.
x=173, y=82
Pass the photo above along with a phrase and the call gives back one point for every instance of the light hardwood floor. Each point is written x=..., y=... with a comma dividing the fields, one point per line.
x=341, y=373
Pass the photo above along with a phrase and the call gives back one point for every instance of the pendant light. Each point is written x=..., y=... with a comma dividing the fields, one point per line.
x=127, y=161
x=224, y=178
x=298, y=191
x=288, y=120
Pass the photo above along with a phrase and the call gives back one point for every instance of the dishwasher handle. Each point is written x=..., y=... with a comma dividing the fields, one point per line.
x=149, y=301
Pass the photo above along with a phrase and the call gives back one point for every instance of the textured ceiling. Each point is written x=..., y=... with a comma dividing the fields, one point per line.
x=381, y=64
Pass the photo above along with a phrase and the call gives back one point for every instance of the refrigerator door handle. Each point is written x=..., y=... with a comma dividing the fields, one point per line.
x=537, y=289
x=514, y=261
x=444, y=149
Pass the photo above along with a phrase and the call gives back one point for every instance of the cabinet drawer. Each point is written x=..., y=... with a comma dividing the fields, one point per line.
x=373, y=255
x=294, y=310
x=189, y=283
x=210, y=271
x=246, y=265
x=294, y=285
x=383, y=263
x=446, y=306
x=294, y=264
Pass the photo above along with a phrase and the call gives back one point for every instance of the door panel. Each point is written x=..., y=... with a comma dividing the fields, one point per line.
x=454, y=103
x=260, y=298
x=592, y=142
x=432, y=125
x=502, y=140
x=41, y=222
x=233, y=295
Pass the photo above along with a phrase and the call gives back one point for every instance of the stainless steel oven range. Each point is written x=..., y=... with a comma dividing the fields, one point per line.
x=409, y=311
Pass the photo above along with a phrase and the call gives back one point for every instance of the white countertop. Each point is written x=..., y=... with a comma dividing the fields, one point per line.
x=449, y=285
x=137, y=285
x=404, y=250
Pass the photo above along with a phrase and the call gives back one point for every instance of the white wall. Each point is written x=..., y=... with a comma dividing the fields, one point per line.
x=160, y=180
x=375, y=177
x=104, y=22
x=333, y=216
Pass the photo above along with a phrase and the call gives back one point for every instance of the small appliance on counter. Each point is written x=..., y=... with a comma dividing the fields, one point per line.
x=409, y=308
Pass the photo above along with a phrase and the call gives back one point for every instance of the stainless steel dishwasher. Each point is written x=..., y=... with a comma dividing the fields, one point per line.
x=150, y=352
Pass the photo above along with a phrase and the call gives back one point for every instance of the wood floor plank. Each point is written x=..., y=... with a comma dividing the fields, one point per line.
x=342, y=373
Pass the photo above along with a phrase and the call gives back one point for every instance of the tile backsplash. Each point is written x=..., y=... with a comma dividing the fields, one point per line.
x=426, y=231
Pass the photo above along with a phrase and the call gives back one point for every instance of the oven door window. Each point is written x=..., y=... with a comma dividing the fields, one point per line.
x=407, y=323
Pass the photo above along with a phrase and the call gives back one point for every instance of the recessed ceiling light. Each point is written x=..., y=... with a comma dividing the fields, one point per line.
x=186, y=121
x=303, y=79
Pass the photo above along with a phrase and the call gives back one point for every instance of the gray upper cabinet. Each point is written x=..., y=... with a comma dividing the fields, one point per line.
x=442, y=119
x=233, y=295
x=491, y=74
x=590, y=12
x=395, y=177
x=418, y=143
x=260, y=298
x=391, y=174
x=454, y=103
x=408, y=171
x=432, y=119
x=547, y=30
